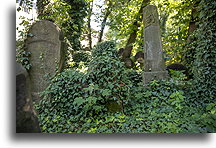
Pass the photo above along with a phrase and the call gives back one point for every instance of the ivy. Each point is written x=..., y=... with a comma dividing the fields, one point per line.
x=201, y=54
x=22, y=56
x=81, y=95
x=105, y=100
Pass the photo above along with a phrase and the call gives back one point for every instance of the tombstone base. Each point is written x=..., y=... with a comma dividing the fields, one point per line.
x=154, y=75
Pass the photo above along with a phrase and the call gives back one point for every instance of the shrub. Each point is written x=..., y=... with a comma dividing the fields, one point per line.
x=109, y=99
x=200, y=55
x=74, y=96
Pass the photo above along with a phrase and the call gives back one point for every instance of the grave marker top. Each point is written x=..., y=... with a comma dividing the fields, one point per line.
x=154, y=66
x=150, y=16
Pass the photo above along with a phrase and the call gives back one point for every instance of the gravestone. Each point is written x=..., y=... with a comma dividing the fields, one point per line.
x=45, y=43
x=154, y=65
x=26, y=119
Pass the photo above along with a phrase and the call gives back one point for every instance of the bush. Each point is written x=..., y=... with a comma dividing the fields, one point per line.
x=109, y=99
x=200, y=54
x=74, y=96
x=80, y=59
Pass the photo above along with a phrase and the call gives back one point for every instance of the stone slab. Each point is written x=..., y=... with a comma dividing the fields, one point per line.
x=26, y=119
x=45, y=43
x=154, y=64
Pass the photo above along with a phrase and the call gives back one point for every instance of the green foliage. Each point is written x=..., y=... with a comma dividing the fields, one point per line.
x=108, y=72
x=73, y=26
x=81, y=56
x=22, y=57
x=27, y=3
x=121, y=20
x=161, y=107
x=75, y=96
x=209, y=118
x=177, y=74
x=200, y=54
x=135, y=77
x=77, y=102
x=80, y=59
x=174, y=21
x=66, y=102
x=105, y=49
x=68, y=15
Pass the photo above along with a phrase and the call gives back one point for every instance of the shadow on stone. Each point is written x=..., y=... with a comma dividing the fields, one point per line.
x=26, y=119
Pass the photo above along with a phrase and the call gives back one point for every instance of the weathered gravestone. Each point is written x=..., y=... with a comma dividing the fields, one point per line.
x=154, y=66
x=45, y=43
x=26, y=119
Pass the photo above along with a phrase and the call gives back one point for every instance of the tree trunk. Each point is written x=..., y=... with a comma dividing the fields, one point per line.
x=89, y=25
x=103, y=24
x=192, y=24
x=132, y=38
x=194, y=17
x=129, y=46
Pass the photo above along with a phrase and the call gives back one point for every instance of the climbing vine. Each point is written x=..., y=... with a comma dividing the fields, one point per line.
x=201, y=53
x=22, y=56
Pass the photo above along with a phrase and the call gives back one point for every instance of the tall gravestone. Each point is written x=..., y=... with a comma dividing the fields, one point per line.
x=45, y=43
x=154, y=65
x=26, y=119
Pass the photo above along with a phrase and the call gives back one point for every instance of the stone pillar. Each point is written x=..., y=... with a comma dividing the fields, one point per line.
x=26, y=119
x=45, y=43
x=154, y=65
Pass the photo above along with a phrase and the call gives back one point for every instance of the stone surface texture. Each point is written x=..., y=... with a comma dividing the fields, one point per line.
x=154, y=65
x=45, y=43
x=26, y=119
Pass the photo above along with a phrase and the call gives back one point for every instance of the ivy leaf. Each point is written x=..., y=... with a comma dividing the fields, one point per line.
x=97, y=108
x=79, y=101
x=92, y=100
x=106, y=92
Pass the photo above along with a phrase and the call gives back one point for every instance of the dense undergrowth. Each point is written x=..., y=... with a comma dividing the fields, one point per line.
x=108, y=98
